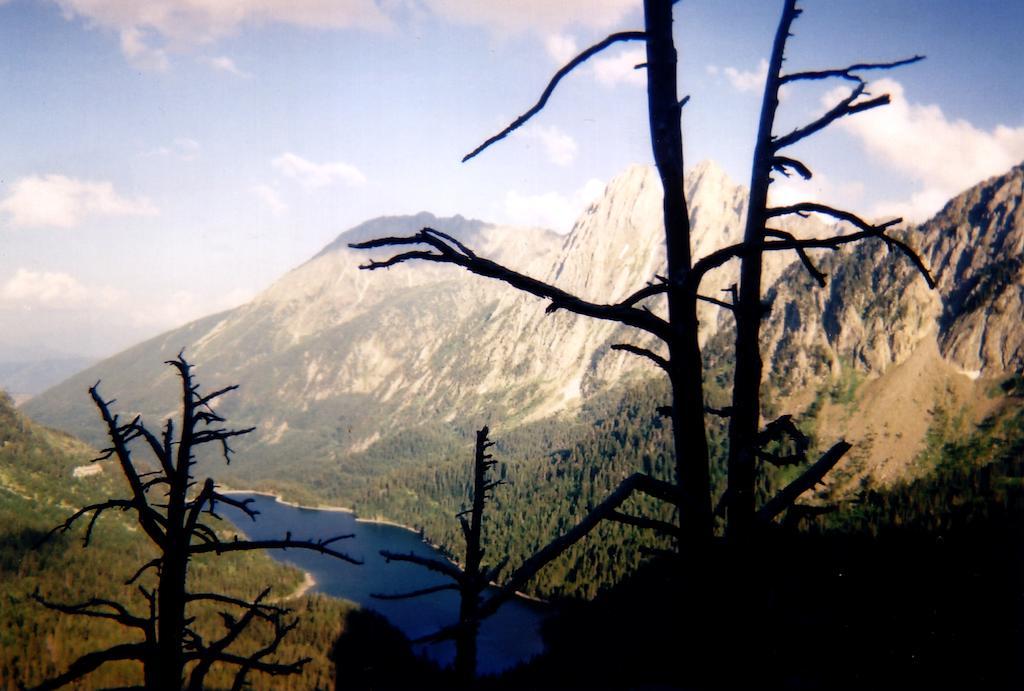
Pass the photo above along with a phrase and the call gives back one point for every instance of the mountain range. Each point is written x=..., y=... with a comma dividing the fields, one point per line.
x=335, y=363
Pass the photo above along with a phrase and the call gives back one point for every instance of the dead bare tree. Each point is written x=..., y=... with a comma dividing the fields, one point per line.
x=677, y=333
x=170, y=646
x=473, y=578
x=746, y=439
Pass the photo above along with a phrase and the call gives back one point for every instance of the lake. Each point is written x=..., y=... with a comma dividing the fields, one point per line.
x=509, y=637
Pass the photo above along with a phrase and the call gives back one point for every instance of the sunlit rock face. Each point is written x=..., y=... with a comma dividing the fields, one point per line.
x=333, y=359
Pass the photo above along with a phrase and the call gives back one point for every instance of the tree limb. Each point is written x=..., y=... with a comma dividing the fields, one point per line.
x=320, y=546
x=845, y=107
x=739, y=250
x=646, y=523
x=817, y=275
x=443, y=567
x=637, y=482
x=848, y=72
x=867, y=230
x=119, y=614
x=566, y=69
x=122, y=504
x=643, y=352
x=90, y=661
x=415, y=593
x=443, y=252
x=810, y=477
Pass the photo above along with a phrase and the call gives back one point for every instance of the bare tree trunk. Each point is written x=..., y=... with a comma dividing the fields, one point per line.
x=685, y=365
x=744, y=422
x=170, y=662
x=465, y=642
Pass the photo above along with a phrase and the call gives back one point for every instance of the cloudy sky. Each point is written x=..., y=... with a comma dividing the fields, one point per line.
x=164, y=159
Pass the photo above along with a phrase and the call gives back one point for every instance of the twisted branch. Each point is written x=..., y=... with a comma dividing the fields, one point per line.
x=559, y=75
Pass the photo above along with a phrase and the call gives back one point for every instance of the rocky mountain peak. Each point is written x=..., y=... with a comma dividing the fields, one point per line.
x=334, y=359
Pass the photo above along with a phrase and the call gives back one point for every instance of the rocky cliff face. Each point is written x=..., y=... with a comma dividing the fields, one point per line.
x=333, y=359
x=876, y=309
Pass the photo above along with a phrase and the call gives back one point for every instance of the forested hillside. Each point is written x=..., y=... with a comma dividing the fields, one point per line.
x=571, y=466
x=37, y=493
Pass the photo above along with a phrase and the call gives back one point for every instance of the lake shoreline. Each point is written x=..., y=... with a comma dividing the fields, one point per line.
x=308, y=583
x=379, y=521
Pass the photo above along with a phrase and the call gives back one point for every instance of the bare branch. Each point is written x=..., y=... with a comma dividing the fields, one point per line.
x=810, y=477
x=151, y=564
x=847, y=72
x=782, y=164
x=720, y=412
x=267, y=609
x=96, y=510
x=443, y=252
x=91, y=661
x=643, y=352
x=715, y=301
x=817, y=275
x=415, y=593
x=205, y=400
x=148, y=518
x=646, y=523
x=559, y=75
x=159, y=450
x=245, y=545
x=867, y=230
x=443, y=567
x=650, y=290
x=638, y=482
x=242, y=505
x=845, y=107
x=88, y=609
x=739, y=250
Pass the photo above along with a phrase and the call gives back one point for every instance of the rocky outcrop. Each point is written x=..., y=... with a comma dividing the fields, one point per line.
x=333, y=359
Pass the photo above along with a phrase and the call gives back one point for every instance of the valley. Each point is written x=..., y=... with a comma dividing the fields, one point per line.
x=365, y=388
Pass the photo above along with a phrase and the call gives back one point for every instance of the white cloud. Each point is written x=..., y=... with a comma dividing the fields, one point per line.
x=313, y=175
x=560, y=147
x=561, y=47
x=223, y=63
x=543, y=16
x=820, y=188
x=184, y=148
x=140, y=53
x=181, y=307
x=621, y=68
x=551, y=210
x=943, y=156
x=147, y=29
x=63, y=202
x=29, y=290
x=745, y=80
x=271, y=198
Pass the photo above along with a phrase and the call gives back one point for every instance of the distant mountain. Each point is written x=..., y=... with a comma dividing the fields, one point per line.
x=332, y=359
x=24, y=379
x=335, y=362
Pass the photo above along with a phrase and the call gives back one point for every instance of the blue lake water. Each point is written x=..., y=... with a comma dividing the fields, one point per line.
x=509, y=637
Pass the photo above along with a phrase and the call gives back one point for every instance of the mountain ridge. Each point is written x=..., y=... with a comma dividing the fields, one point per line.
x=333, y=360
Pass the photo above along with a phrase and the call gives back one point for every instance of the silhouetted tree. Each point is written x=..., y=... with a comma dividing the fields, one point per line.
x=173, y=521
x=472, y=579
x=677, y=351
x=746, y=439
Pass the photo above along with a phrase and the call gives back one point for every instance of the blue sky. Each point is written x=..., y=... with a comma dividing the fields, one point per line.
x=164, y=159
